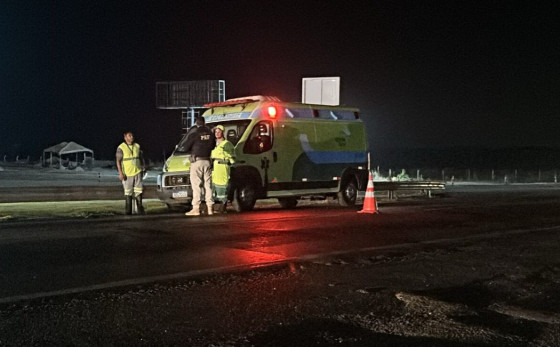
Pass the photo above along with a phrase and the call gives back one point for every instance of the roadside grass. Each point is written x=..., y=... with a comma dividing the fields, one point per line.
x=72, y=209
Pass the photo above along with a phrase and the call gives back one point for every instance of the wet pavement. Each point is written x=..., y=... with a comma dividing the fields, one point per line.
x=476, y=267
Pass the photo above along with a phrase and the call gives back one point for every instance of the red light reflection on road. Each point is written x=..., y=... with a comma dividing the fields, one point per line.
x=250, y=257
x=270, y=238
x=281, y=235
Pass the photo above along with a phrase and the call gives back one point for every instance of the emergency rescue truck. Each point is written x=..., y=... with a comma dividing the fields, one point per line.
x=283, y=150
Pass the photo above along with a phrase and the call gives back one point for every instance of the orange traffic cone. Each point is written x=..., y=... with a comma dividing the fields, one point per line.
x=370, y=203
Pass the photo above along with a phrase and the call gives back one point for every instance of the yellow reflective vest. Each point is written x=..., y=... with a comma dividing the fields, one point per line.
x=131, y=162
x=223, y=157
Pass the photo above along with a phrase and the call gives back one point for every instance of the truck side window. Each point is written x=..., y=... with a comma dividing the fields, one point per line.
x=260, y=139
x=232, y=136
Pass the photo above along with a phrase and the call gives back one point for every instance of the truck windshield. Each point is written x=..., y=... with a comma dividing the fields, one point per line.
x=233, y=132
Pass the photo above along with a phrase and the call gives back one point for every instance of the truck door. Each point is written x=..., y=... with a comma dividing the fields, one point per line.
x=258, y=146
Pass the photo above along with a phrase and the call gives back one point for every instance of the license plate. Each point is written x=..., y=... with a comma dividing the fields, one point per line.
x=180, y=194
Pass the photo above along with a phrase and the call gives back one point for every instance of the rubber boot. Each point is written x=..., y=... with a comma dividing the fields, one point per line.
x=223, y=209
x=139, y=206
x=128, y=205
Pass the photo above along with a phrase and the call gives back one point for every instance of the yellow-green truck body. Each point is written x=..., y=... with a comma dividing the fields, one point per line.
x=283, y=150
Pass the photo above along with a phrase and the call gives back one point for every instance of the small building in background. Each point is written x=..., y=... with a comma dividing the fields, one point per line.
x=67, y=155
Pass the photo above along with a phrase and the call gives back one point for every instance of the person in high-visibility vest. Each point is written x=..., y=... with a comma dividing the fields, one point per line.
x=223, y=156
x=130, y=163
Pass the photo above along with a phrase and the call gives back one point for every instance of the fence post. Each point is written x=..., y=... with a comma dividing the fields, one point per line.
x=443, y=175
x=493, y=177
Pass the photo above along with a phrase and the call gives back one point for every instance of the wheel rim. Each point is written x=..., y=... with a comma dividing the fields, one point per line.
x=350, y=192
x=246, y=197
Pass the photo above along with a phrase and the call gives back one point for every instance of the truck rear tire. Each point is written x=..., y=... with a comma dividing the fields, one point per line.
x=348, y=193
x=288, y=203
x=244, y=197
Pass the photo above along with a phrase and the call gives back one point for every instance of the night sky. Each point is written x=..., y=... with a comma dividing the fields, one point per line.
x=425, y=74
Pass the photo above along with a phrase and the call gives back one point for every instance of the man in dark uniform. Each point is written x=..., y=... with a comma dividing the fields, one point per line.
x=200, y=145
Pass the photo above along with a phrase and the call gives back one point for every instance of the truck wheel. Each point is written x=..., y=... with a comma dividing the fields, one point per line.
x=288, y=203
x=348, y=193
x=244, y=197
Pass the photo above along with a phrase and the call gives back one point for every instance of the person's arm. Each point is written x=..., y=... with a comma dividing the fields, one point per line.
x=142, y=161
x=229, y=153
x=189, y=143
x=119, y=157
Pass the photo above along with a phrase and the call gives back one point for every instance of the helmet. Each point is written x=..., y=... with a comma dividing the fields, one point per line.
x=221, y=127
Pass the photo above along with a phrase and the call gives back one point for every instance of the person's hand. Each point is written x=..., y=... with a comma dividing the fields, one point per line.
x=122, y=177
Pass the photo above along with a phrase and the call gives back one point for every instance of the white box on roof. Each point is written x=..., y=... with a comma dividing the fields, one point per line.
x=321, y=90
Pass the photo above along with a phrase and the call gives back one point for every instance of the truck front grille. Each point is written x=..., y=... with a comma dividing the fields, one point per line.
x=177, y=180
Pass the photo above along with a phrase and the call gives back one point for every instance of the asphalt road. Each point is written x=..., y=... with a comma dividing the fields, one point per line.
x=292, y=262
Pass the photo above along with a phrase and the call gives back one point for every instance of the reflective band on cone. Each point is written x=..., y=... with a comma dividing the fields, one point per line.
x=370, y=203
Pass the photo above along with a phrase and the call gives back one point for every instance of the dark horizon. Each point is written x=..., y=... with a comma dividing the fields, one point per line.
x=431, y=75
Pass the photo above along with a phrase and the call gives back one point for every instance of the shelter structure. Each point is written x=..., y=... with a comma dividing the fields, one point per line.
x=64, y=152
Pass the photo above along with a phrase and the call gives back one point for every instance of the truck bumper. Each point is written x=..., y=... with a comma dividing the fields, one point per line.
x=173, y=194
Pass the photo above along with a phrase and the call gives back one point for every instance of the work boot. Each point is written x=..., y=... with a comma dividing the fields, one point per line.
x=210, y=209
x=128, y=205
x=223, y=209
x=193, y=212
x=139, y=205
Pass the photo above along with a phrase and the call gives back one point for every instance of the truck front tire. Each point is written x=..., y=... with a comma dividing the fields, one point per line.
x=244, y=197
